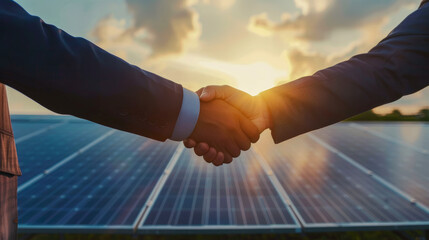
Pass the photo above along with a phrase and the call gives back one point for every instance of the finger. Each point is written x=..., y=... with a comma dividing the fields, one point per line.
x=207, y=94
x=242, y=140
x=201, y=149
x=249, y=129
x=218, y=160
x=232, y=148
x=189, y=143
x=227, y=158
x=199, y=91
x=220, y=156
x=210, y=156
x=212, y=92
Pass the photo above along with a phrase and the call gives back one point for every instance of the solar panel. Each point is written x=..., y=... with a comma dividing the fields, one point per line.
x=403, y=167
x=414, y=135
x=104, y=188
x=328, y=191
x=200, y=197
x=39, y=153
x=82, y=177
x=21, y=129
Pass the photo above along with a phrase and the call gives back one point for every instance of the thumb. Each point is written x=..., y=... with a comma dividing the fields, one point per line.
x=207, y=94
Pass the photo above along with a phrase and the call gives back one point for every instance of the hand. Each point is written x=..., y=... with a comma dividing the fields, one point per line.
x=225, y=129
x=254, y=108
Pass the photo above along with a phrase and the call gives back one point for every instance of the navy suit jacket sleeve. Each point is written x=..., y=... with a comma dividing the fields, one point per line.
x=397, y=66
x=71, y=75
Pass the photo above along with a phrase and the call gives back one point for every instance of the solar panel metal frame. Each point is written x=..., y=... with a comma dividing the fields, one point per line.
x=226, y=229
x=368, y=170
x=121, y=229
x=300, y=226
x=339, y=227
x=213, y=229
x=83, y=229
x=325, y=227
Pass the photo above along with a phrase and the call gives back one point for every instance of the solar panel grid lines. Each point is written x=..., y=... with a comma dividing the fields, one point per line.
x=168, y=188
x=32, y=133
x=342, y=196
x=158, y=187
x=268, y=215
x=90, y=195
x=400, y=166
x=410, y=199
x=335, y=179
x=63, y=161
x=278, y=187
x=42, y=152
x=370, y=173
x=385, y=137
x=61, y=193
x=410, y=133
x=197, y=197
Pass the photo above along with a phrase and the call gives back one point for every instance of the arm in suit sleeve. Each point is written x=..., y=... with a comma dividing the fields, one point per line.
x=71, y=75
x=397, y=66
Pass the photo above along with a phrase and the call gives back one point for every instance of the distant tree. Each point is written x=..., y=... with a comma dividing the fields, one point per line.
x=365, y=116
x=424, y=114
x=395, y=115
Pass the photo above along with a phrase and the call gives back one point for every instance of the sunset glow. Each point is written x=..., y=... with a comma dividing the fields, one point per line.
x=252, y=78
x=251, y=45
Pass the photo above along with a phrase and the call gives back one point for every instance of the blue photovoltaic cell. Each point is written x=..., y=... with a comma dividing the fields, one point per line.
x=108, y=185
x=414, y=134
x=402, y=166
x=102, y=187
x=21, y=129
x=327, y=189
x=45, y=150
x=198, y=194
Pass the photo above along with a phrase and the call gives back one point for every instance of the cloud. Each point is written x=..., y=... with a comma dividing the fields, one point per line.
x=303, y=62
x=222, y=4
x=165, y=27
x=320, y=18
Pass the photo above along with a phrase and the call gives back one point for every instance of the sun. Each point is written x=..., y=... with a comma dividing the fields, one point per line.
x=252, y=78
x=256, y=77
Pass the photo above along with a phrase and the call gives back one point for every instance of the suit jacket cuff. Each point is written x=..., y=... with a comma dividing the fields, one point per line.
x=188, y=116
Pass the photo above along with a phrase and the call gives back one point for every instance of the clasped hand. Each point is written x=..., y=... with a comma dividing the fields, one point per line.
x=230, y=120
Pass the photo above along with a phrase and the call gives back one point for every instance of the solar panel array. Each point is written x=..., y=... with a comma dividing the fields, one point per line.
x=82, y=177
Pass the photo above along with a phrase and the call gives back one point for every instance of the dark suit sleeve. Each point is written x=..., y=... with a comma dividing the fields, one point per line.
x=71, y=75
x=397, y=66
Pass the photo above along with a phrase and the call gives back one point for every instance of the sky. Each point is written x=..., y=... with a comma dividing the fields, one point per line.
x=249, y=44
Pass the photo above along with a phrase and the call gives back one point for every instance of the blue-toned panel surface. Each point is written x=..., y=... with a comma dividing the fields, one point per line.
x=41, y=152
x=327, y=189
x=414, y=134
x=21, y=129
x=404, y=167
x=105, y=186
x=198, y=194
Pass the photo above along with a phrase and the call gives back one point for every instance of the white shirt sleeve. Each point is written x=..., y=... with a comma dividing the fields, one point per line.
x=188, y=116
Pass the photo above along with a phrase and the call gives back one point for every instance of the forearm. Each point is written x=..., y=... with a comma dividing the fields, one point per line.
x=397, y=66
x=73, y=76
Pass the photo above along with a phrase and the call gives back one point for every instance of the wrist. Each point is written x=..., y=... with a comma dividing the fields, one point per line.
x=265, y=114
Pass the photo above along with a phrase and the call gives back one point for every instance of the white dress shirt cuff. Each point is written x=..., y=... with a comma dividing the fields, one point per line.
x=188, y=116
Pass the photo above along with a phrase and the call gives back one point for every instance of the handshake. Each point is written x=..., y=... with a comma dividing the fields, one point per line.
x=229, y=121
